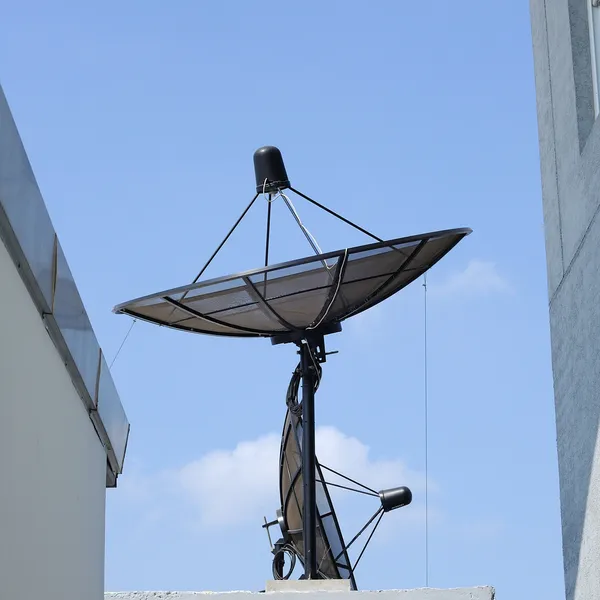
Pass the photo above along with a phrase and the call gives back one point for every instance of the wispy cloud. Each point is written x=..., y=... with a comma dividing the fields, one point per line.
x=478, y=278
x=231, y=487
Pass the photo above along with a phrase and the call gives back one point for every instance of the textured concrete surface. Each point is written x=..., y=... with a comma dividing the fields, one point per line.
x=569, y=137
x=473, y=593
x=314, y=585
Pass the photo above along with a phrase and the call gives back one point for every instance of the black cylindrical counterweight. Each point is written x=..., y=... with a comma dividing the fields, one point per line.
x=269, y=170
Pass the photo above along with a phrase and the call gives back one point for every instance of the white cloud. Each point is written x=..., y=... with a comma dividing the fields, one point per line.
x=350, y=456
x=478, y=278
x=230, y=487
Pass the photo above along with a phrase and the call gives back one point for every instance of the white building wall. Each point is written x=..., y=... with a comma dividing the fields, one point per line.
x=53, y=465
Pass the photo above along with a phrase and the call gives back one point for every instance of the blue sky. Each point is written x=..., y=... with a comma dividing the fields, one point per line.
x=140, y=120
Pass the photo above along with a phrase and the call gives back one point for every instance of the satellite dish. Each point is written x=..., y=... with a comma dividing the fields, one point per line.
x=298, y=296
x=301, y=302
x=332, y=558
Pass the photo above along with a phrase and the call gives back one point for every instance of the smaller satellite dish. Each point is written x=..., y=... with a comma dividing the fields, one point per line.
x=333, y=561
x=332, y=558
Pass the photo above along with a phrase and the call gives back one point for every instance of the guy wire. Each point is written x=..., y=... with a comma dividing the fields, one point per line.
x=122, y=344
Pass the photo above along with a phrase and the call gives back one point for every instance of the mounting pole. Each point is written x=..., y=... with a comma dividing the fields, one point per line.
x=309, y=517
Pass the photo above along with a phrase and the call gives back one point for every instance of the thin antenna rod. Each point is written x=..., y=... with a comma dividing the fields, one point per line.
x=379, y=511
x=331, y=212
x=268, y=237
x=367, y=542
x=348, y=479
x=426, y=399
x=223, y=242
x=219, y=247
x=345, y=487
x=268, y=230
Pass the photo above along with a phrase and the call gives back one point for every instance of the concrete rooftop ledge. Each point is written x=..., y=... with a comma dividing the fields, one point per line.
x=471, y=593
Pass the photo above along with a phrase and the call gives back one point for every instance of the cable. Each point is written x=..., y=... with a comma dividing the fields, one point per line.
x=337, y=289
x=270, y=198
x=307, y=234
x=279, y=561
x=324, y=557
x=291, y=397
x=122, y=344
x=317, y=366
x=426, y=394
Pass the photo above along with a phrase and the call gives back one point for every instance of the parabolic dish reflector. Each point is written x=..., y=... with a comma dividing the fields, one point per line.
x=332, y=559
x=296, y=296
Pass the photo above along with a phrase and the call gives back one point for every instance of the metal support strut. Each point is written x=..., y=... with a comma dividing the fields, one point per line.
x=309, y=517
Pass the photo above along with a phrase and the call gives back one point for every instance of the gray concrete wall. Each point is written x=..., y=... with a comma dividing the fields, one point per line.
x=474, y=593
x=569, y=138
